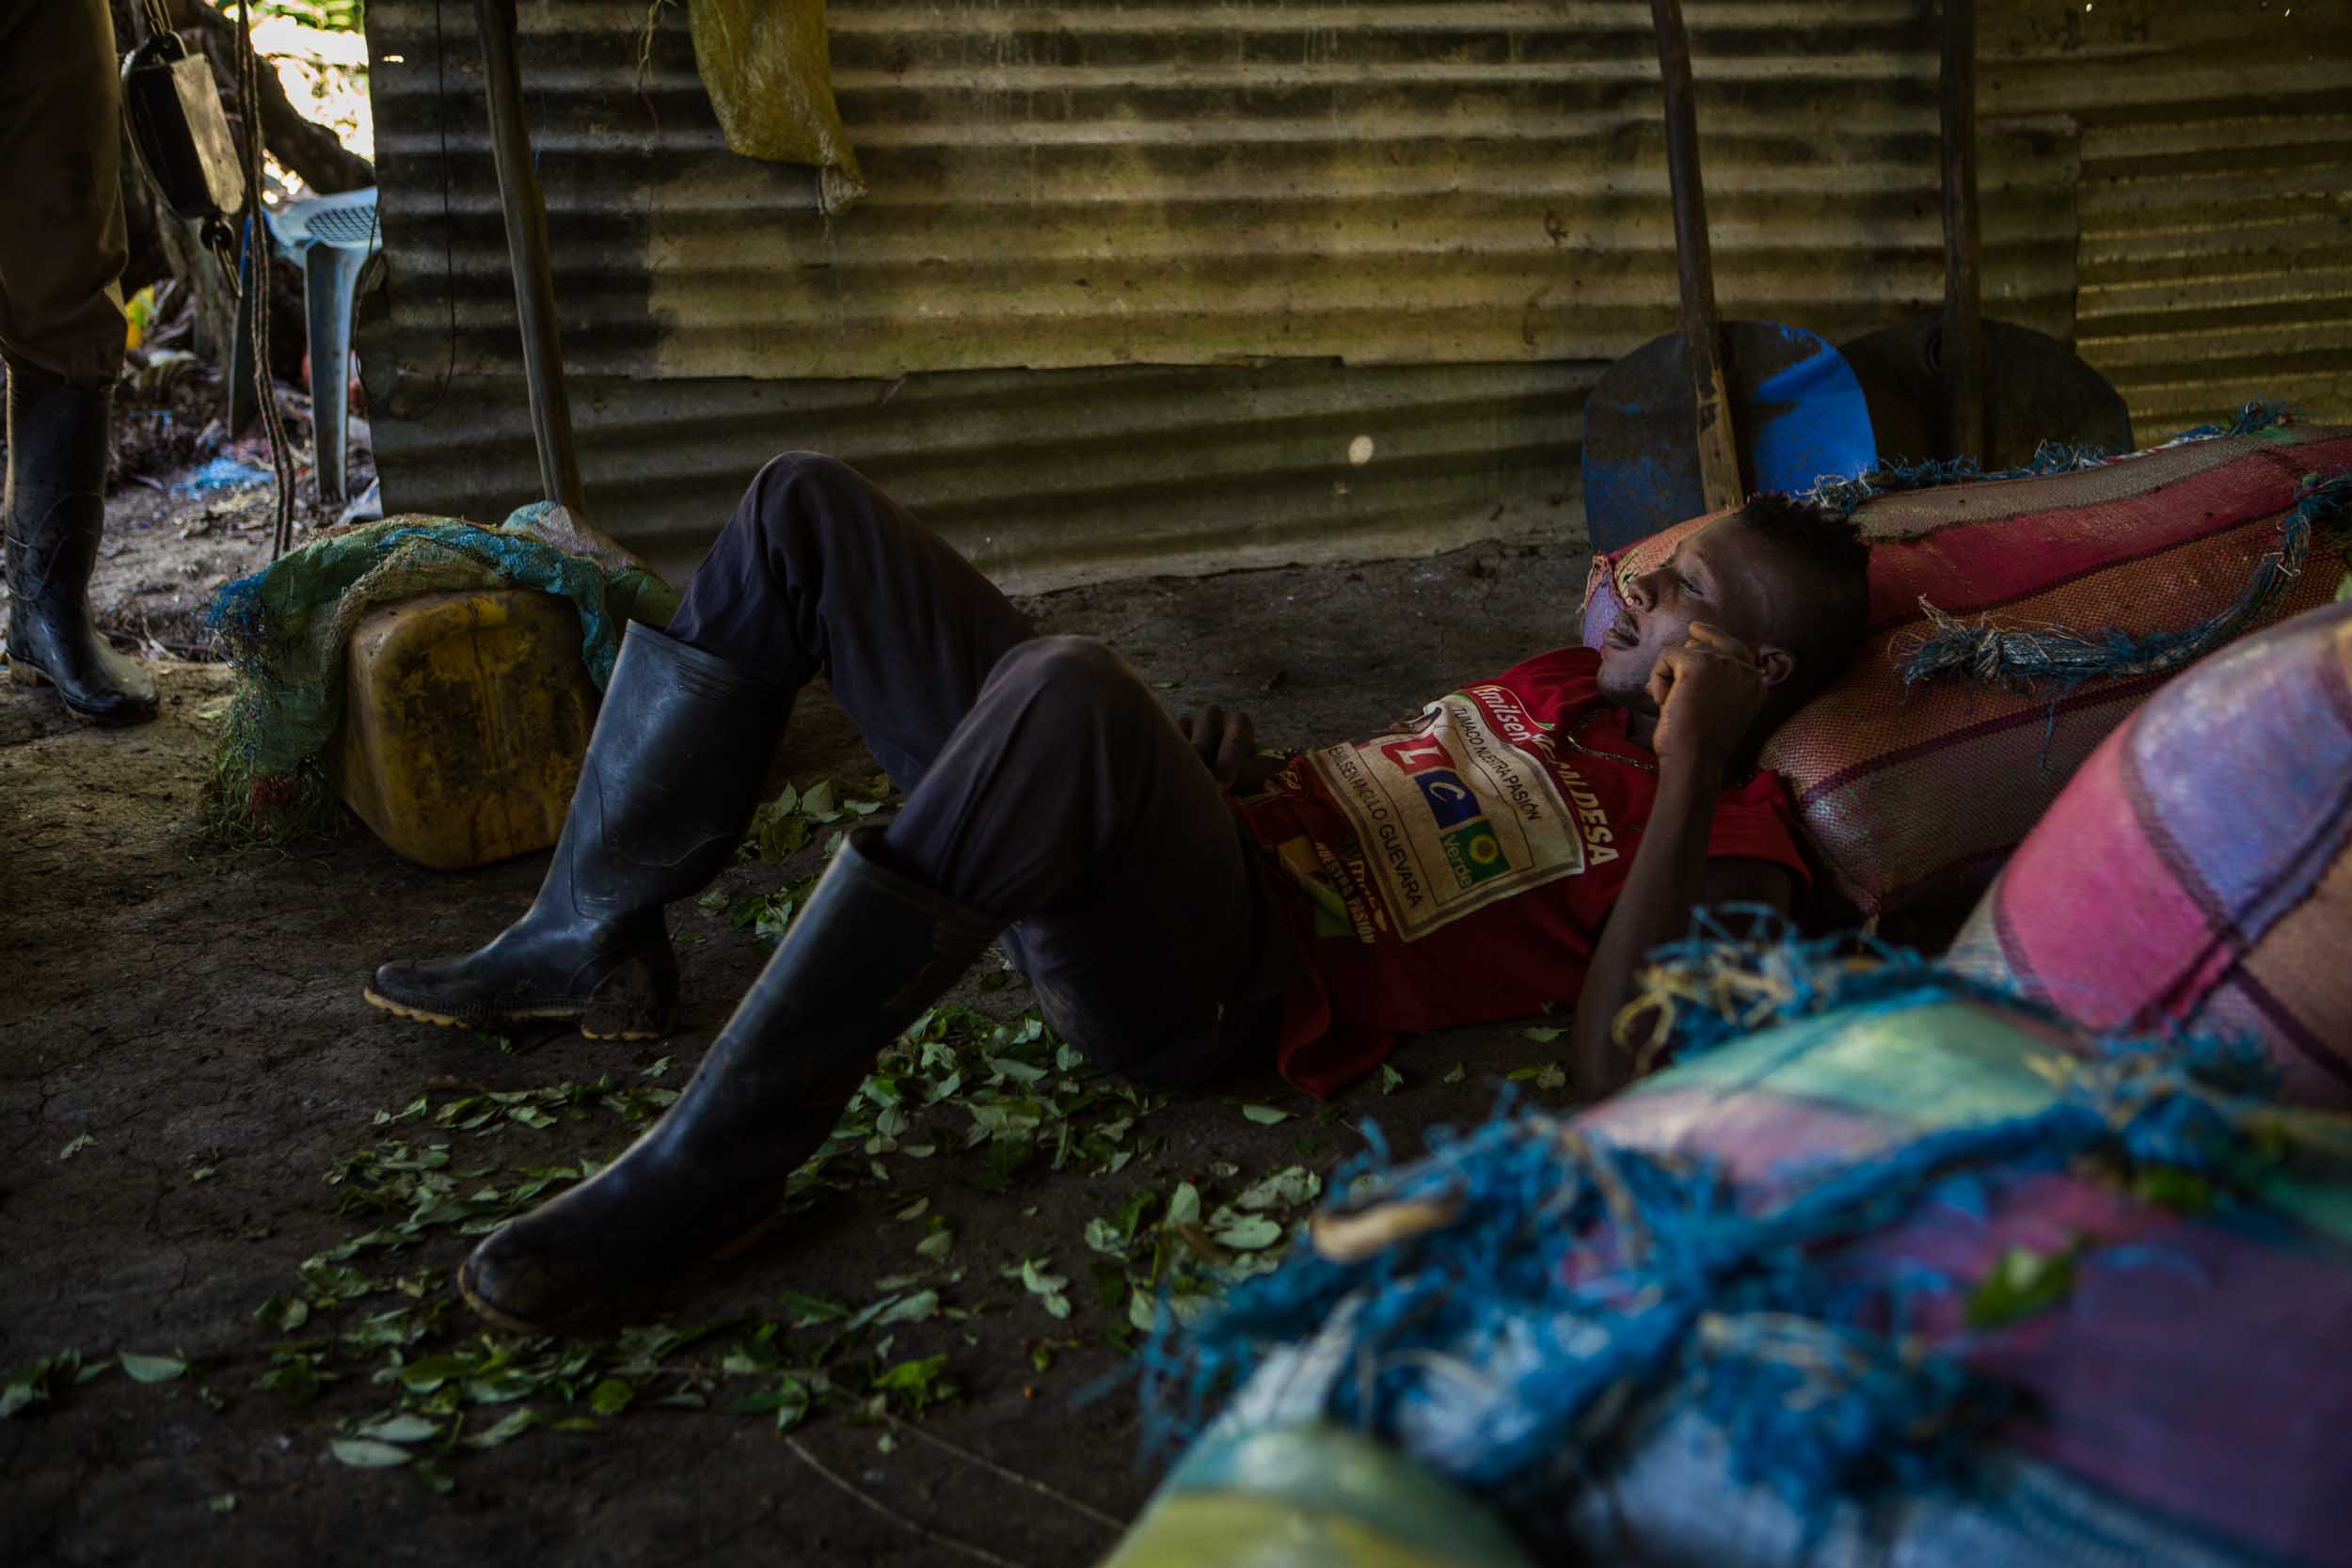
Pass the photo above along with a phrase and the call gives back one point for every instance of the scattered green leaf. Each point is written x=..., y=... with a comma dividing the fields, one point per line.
x=508, y=1427
x=1048, y=1288
x=41, y=1381
x=151, y=1369
x=365, y=1453
x=937, y=1240
x=282, y=1313
x=402, y=1426
x=1246, y=1232
x=2021, y=1283
x=1286, y=1188
x=909, y=1309
x=918, y=1384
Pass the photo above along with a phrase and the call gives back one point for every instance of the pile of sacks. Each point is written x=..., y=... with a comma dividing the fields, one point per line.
x=2038, y=1254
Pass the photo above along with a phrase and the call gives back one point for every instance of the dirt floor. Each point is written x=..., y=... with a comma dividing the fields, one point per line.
x=215, y=1155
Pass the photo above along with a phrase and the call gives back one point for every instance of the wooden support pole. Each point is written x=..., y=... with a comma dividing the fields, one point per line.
x=527, y=250
x=1963, y=338
x=1695, y=264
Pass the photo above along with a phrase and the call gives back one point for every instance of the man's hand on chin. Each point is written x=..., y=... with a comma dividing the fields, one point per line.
x=1708, y=691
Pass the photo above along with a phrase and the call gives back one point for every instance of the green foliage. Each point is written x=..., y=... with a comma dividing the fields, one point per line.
x=44, y=1380
x=151, y=1369
x=788, y=823
x=1543, y=1075
x=371, y=1330
x=334, y=16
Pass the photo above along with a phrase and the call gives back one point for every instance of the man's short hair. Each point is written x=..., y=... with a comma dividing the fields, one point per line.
x=1833, y=561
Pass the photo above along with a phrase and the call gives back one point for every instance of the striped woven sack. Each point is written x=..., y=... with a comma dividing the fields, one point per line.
x=2198, y=869
x=1909, y=793
x=1924, y=1279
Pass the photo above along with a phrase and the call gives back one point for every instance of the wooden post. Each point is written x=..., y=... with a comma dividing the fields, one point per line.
x=527, y=250
x=1962, y=341
x=1695, y=265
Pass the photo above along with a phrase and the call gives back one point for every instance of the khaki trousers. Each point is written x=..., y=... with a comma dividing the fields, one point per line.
x=62, y=244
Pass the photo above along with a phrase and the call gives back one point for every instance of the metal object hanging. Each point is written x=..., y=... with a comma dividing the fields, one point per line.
x=180, y=136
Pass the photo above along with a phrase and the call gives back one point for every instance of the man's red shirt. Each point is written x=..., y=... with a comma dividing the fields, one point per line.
x=1457, y=870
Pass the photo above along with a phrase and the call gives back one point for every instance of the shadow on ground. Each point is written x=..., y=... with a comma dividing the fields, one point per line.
x=187, y=1022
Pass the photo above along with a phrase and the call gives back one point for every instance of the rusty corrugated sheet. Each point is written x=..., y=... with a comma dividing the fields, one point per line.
x=1361, y=218
x=2217, y=192
x=1047, y=479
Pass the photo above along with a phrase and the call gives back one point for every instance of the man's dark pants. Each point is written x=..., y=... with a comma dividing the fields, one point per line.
x=1043, y=783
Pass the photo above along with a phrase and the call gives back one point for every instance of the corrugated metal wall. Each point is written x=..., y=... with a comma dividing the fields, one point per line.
x=2216, y=191
x=1146, y=287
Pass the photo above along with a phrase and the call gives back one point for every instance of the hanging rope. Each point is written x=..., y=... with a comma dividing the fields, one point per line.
x=256, y=304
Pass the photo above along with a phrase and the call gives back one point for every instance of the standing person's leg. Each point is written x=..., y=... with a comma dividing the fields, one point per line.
x=817, y=570
x=1065, y=801
x=61, y=335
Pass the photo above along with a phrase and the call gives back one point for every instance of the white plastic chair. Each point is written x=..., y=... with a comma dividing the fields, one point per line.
x=333, y=239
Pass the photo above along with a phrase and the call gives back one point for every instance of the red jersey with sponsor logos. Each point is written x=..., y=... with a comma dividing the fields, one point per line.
x=1457, y=870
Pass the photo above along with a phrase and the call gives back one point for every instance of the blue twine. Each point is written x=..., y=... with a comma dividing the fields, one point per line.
x=2052, y=658
x=1844, y=495
x=1693, y=986
x=2020, y=659
x=1632, y=1275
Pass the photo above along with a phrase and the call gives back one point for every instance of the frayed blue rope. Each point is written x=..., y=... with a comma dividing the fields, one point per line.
x=1577, y=1281
x=1844, y=495
x=1712, y=987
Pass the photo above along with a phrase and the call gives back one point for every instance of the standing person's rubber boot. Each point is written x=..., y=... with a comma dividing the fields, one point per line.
x=870, y=951
x=55, y=509
x=665, y=792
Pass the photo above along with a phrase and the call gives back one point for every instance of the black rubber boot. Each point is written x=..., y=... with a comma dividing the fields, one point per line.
x=56, y=509
x=867, y=954
x=673, y=771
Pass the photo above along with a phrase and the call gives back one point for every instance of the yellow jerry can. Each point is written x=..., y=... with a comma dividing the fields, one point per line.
x=464, y=718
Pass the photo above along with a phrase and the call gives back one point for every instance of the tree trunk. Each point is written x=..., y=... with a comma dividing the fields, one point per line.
x=311, y=151
x=163, y=244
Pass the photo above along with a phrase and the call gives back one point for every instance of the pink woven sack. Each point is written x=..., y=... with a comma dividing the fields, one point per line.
x=2198, y=869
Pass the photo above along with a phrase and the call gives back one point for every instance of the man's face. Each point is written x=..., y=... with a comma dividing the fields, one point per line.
x=1725, y=575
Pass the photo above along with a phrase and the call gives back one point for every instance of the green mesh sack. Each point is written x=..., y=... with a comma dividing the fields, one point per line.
x=286, y=630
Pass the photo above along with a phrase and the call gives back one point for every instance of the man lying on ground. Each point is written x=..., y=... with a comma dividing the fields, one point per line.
x=1522, y=843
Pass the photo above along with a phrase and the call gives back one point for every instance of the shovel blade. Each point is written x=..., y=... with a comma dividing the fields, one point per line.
x=2037, y=391
x=1797, y=412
